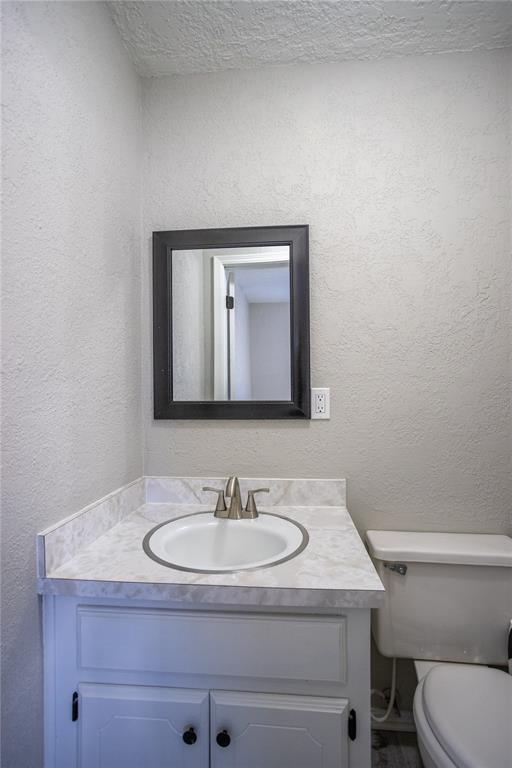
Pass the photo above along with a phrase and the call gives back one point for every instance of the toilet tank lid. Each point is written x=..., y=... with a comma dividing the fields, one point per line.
x=455, y=548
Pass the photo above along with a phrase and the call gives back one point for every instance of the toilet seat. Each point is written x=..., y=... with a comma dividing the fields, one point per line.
x=432, y=754
x=463, y=716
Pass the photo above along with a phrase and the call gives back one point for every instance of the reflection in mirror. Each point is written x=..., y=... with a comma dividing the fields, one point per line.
x=231, y=323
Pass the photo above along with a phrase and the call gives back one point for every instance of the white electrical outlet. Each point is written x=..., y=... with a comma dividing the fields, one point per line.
x=320, y=403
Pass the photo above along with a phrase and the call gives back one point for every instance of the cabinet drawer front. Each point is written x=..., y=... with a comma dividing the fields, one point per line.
x=289, y=648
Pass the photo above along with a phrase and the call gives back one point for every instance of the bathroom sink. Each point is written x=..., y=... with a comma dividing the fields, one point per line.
x=203, y=543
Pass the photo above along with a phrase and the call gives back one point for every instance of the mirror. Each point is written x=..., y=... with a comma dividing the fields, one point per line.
x=231, y=323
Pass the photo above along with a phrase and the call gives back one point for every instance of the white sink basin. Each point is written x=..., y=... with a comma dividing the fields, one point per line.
x=206, y=544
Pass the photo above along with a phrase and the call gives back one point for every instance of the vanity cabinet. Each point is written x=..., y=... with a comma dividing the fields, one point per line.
x=140, y=684
x=152, y=727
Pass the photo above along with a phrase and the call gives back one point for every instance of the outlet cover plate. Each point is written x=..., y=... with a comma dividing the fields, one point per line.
x=320, y=403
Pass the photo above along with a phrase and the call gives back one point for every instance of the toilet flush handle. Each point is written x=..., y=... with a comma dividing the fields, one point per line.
x=399, y=568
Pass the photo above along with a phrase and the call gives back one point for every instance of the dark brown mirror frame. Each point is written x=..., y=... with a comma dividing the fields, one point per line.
x=299, y=407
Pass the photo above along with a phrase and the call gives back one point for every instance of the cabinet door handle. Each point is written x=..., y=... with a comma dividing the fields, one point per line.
x=223, y=739
x=190, y=736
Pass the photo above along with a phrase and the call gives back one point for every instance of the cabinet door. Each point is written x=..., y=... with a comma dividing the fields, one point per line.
x=135, y=726
x=274, y=731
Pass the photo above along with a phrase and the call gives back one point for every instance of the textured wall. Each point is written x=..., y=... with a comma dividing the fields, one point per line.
x=402, y=170
x=71, y=282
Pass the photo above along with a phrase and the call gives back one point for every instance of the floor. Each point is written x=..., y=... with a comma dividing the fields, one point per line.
x=391, y=749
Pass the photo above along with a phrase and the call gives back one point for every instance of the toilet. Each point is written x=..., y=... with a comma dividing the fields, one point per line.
x=448, y=607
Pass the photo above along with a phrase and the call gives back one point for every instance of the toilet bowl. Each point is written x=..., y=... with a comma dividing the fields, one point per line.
x=463, y=716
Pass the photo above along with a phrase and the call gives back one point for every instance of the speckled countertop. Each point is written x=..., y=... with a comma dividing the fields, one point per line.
x=333, y=571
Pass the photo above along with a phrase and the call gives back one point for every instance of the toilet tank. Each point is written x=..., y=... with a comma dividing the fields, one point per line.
x=448, y=595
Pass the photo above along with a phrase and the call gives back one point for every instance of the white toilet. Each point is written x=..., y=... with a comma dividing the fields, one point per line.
x=449, y=606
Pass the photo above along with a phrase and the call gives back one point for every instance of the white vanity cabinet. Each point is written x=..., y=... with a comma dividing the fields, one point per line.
x=133, y=684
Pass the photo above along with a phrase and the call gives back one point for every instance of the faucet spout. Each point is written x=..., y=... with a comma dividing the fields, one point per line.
x=233, y=493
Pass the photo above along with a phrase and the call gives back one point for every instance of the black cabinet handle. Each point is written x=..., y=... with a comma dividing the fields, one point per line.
x=189, y=736
x=352, y=725
x=223, y=739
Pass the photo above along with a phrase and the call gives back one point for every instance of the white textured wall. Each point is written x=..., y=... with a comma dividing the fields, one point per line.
x=71, y=283
x=402, y=170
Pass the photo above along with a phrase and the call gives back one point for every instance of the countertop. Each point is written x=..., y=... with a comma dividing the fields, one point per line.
x=334, y=571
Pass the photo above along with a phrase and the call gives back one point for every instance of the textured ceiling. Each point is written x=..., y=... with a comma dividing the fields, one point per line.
x=182, y=36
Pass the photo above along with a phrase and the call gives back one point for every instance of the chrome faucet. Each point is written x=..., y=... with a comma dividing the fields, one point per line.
x=236, y=511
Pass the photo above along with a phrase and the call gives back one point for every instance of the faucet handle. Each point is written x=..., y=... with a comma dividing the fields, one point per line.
x=250, y=507
x=221, y=502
